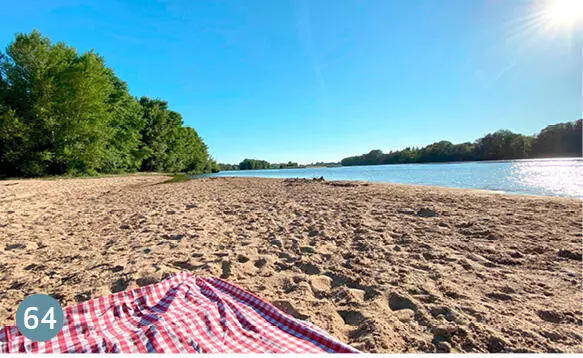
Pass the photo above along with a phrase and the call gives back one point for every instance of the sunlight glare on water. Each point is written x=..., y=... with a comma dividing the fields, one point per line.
x=554, y=177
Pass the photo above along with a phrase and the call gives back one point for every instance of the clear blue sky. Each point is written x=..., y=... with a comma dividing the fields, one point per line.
x=318, y=80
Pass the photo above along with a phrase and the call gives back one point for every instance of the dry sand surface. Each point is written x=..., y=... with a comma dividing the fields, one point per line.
x=385, y=268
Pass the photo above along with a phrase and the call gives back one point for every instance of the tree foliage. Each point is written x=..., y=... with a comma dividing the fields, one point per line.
x=559, y=140
x=248, y=164
x=224, y=166
x=63, y=112
x=251, y=164
x=563, y=139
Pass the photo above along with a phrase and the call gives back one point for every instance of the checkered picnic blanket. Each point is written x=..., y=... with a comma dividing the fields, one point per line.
x=183, y=313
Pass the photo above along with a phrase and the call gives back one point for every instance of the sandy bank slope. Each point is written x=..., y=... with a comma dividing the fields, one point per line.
x=474, y=272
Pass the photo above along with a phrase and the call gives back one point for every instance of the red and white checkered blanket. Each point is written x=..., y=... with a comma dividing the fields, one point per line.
x=183, y=313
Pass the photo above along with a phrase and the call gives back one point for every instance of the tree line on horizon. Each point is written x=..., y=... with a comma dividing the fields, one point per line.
x=253, y=164
x=62, y=112
x=558, y=140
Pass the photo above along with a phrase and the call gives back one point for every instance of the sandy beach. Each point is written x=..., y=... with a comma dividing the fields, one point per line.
x=383, y=267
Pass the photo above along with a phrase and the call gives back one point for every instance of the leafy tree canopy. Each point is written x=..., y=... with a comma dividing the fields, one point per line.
x=67, y=113
x=559, y=140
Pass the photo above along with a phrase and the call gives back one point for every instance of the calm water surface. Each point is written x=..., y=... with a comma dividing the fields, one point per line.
x=554, y=177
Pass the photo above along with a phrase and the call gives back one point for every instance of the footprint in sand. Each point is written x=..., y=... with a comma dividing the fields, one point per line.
x=309, y=268
x=18, y=246
x=352, y=317
x=226, y=269
x=444, y=311
x=567, y=254
x=398, y=302
x=260, y=263
x=288, y=307
x=146, y=280
x=495, y=344
x=499, y=296
x=550, y=316
x=307, y=250
x=119, y=285
x=117, y=268
x=426, y=213
x=32, y=266
x=83, y=296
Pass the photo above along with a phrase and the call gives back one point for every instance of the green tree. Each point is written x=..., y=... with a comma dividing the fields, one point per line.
x=124, y=152
x=167, y=144
x=155, y=134
x=61, y=112
x=503, y=144
x=563, y=139
x=59, y=97
x=249, y=164
x=14, y=137
x=558, y=140
x=80, y=108
x=223, y=166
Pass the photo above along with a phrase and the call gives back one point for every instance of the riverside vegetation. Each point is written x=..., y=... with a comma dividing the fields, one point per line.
x=251, y=164
x=62, y=112
x=558, y=140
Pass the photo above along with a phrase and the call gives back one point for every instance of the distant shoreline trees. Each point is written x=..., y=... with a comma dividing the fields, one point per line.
x=67, y=113
x=254, y=164
x=558, y=140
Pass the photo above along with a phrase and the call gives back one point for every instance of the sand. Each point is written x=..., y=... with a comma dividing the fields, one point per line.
x=385, y=268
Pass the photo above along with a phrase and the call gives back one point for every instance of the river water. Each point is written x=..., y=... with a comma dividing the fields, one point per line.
x=552, y=177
